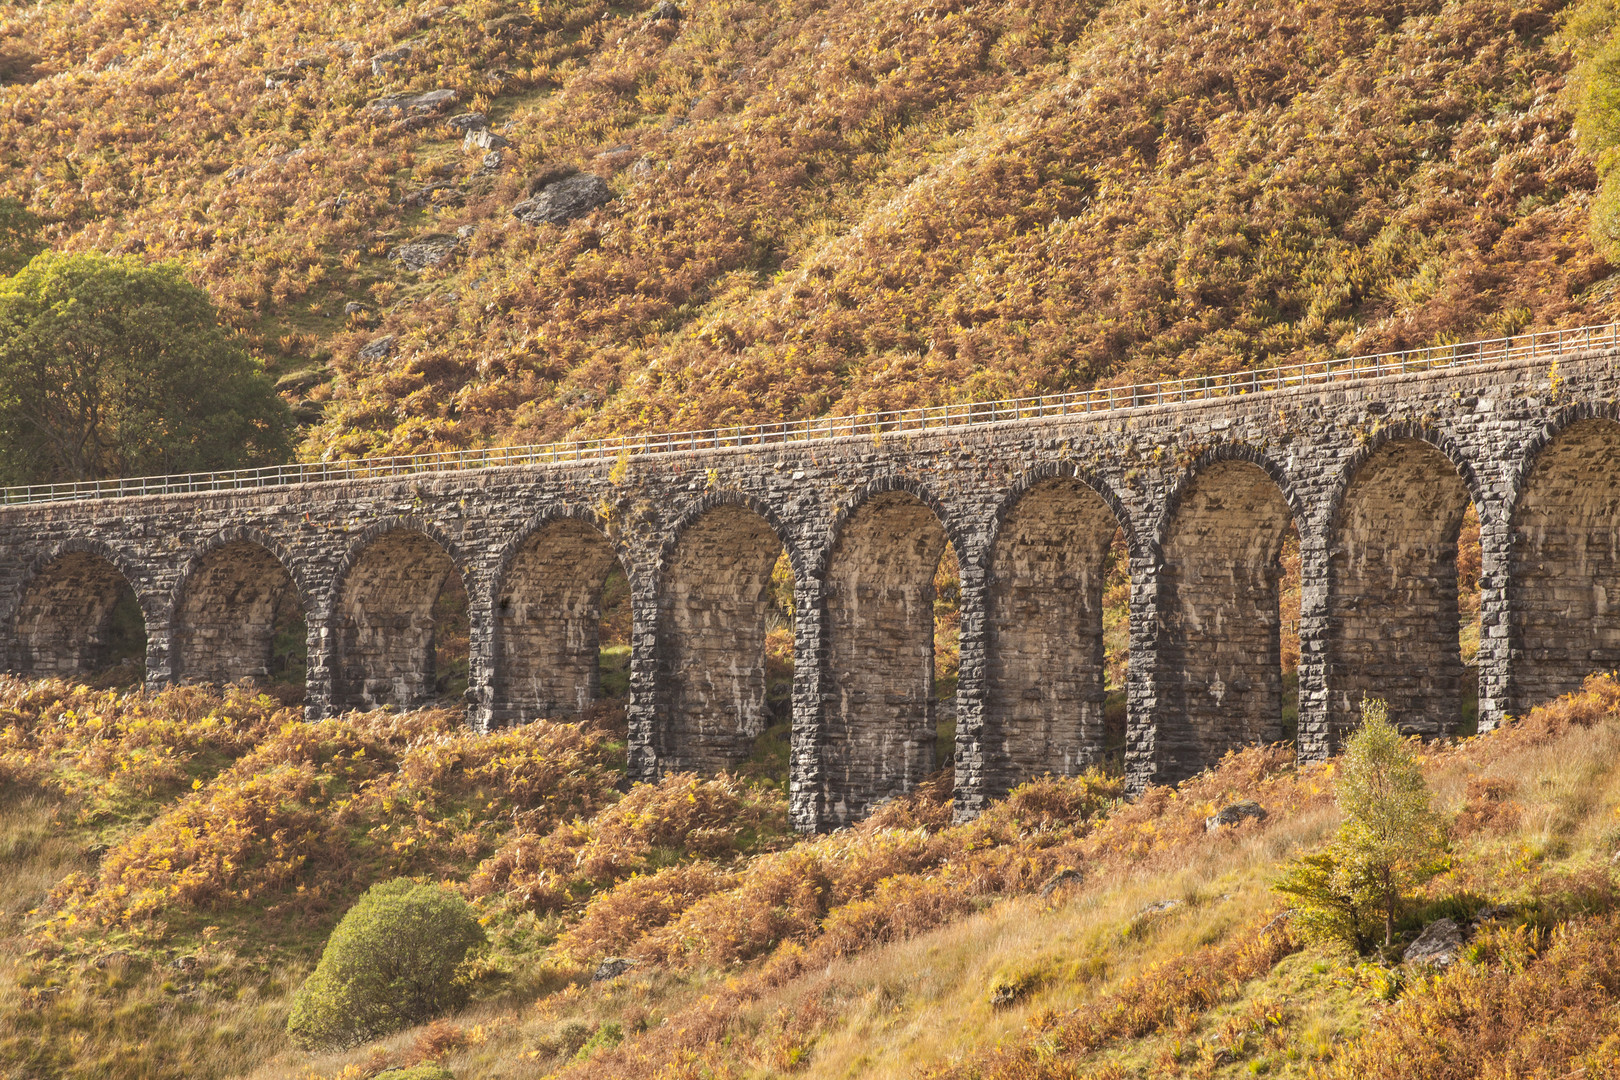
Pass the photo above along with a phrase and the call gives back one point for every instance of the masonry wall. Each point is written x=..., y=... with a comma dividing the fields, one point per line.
x=1373, y=474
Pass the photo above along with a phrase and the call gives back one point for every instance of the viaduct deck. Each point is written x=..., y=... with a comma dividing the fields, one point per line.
x=1375, y=470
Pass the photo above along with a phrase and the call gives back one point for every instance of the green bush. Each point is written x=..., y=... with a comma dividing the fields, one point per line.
x=393, y=961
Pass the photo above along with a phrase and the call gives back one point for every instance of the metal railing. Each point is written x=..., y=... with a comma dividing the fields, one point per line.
x=1548, y=346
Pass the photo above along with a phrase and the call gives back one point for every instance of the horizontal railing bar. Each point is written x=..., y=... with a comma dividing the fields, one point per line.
x=1546, y=344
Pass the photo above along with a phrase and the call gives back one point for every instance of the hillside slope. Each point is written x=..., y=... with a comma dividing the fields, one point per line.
x=827, y=205
x=175, y=862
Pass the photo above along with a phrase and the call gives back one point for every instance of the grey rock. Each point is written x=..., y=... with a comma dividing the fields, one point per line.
x=377, y=349
x=1158, y=907
x=380, y=61
x=509, y=25
x=665, y=12
x=465, y=232
x=564, y=200
x=434, y=249
x=354, y=308
x=612, y=968
x=301, y=382
x=1059, y=880
x=1233, y=815
x=484, y=139
x=491, y=162
x=427, y=103
x=1437, y=946
x=468, y=121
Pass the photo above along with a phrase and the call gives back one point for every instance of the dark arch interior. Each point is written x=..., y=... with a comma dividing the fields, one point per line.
x=563, y=625
x=1222, y=651
x=1046, y=681
x=1565, y=593
x=402, y=626
x=1393, y=591
x=720, y=606
x=78, y=618
x=880, y=675
x=239, y=617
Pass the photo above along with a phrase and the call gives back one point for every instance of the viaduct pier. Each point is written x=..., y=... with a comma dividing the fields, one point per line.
x=1374, y=461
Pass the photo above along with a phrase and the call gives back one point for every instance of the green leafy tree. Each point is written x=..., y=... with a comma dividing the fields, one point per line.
x=395, y=960
x=1388, y=842
x=19, y=236
x=110, y=367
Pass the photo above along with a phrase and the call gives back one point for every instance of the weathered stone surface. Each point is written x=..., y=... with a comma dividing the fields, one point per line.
x=1437, y=946
x=563, y=200
x=1027, y=506
x=1234, y=814
x=1059, y=880
x=468, y=122
x=427, y=103
x=377, y=348
x=434, y=249
x=484, y=139
x=612, y=968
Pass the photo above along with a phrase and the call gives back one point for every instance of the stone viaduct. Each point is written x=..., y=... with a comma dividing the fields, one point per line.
x=1375, y=473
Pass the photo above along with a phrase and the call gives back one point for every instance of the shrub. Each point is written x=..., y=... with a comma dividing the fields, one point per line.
x=1389, y=836
x=393, y=961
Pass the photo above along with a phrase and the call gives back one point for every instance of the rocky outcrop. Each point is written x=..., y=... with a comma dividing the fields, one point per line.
x=563, y=200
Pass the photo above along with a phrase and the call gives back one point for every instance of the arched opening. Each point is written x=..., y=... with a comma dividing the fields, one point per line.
x=1564, y=583
x=718, y=612
x=79, y=617
x=239, y=616
x=1222, y=636
x=562, y=625
x=402, y=626
x=880, y=733
x=1395, y=624
x=1047, y=679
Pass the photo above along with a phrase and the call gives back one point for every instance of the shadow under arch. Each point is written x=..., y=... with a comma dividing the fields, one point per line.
x=1045, y=686
x=1219, y=656
x=399, y=600
x=714, y=615
x=1392, y=605
x=76, y=612
x=548, y=596
x=1564, y=557
x=878, y=710
x=239, y=611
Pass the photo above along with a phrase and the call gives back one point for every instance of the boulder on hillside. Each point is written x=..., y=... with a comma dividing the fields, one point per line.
x=380, y=61
x=378, y=348
x=484, y=139
x=512, y=25
x=564, y=200
x=434, y=249
x=468, y=121
x=612, y=968
x=1233, y=815
x=427, y=103
x=1437, y=946
x=665, y=12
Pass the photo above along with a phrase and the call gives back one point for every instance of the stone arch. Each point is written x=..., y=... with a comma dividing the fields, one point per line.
x=547, y=616
x=383, y=599
x=878, y=710
x=1044, y=685
x=1040, y=474
x=1564, y=559
x=1392, y=618
x=1219, y=653
x=235, y=591
x=713, y=602
x=63, y=611
x=1404, y=431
